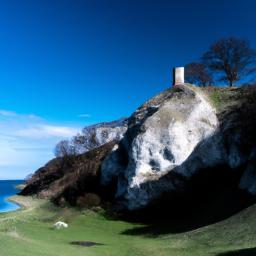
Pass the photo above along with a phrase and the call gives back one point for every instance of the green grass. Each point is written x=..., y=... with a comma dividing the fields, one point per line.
x=216, y=98
x=29, y=232
x=224, y=97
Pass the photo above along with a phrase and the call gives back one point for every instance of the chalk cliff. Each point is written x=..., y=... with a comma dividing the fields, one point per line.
x=174, y=136
x=96, y=135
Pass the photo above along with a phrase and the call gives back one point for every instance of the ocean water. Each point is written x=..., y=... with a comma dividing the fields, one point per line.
x=7, y=189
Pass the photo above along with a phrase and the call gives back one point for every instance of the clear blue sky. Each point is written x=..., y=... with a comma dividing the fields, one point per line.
x=65, y=64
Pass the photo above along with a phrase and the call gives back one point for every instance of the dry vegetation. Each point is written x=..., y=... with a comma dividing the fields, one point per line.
x=64, y=180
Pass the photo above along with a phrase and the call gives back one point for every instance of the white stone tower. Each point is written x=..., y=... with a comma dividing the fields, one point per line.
x=178, y=75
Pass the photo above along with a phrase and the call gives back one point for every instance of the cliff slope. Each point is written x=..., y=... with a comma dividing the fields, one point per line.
x=99, y=134
x=183, y=140
x=179, y=134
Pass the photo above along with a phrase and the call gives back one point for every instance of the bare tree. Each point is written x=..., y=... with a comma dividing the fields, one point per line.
x=80, y=143
x=233, y=58
x=64, y=149
x=196, y=73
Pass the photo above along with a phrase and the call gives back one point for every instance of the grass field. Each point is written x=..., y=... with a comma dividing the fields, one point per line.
x=29, y=232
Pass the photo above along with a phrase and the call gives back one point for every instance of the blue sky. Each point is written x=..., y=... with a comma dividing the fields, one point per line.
x=66, y=64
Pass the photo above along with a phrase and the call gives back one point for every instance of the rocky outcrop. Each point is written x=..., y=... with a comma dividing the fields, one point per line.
x=99, y=134
x=174, y=136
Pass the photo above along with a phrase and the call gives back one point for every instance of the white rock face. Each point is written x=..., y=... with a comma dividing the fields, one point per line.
x=177, y=135
x=160, y=139
x=99, y=134
x=171, y=135
x=60, y=224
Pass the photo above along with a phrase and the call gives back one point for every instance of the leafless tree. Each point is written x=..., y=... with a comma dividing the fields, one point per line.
x=64, y=149
x=85, y=141
x=196, y=73
x=232, y=58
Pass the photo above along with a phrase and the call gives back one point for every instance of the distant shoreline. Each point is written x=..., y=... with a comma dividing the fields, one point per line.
x=24, y=203
x=8, y=190
x=11, y=206
x=16, y=201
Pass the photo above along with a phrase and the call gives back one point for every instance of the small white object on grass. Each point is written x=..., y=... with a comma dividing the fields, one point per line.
x=60, y=224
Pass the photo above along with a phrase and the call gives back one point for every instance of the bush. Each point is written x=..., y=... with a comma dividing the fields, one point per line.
x=88, y=200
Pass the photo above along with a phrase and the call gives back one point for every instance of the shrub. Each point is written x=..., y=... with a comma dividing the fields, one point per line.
x=88, y=200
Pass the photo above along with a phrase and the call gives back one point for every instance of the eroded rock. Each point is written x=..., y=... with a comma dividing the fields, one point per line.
x=172, y=137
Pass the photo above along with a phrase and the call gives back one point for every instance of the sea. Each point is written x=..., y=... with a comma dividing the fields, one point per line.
x=8, y=189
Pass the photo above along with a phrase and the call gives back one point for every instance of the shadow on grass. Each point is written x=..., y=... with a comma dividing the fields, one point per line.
x=242, y=252
x=85, y=243
x=206, y=203
x=186, y=219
